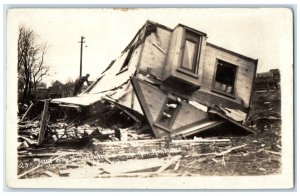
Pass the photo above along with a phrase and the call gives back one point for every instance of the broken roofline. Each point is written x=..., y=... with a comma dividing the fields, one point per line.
x=192, y=29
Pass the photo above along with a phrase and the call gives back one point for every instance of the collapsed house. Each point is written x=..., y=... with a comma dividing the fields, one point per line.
x=174, y=80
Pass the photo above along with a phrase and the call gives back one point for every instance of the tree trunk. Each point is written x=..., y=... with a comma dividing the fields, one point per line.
x=25, y=93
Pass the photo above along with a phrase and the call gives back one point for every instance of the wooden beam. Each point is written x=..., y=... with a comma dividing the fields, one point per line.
x=159, y=48
x=45, y=116
x=129, y=113
x=198, y=128
x=177, y=165
x=27, y=111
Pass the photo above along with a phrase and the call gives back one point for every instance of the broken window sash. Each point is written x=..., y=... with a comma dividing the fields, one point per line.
x=168, y=113
x=225, y=77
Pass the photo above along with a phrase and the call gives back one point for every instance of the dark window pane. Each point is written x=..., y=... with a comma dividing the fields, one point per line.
x=225, y=77
x=126, y=62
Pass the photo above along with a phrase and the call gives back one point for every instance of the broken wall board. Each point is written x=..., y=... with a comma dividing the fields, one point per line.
x=45, y=116
x=223, y=116
x=188, y=115
x=127, y=98
x=197, y=128
x=208, y=98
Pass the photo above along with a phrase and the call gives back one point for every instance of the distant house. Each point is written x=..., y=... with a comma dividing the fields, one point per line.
x=267, y=81
x=59, y=90
x=55, y=90
x=266, y=98
x=41, y=93
x=67, y=90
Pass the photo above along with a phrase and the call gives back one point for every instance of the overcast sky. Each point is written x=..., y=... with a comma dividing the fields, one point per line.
x=263, y=34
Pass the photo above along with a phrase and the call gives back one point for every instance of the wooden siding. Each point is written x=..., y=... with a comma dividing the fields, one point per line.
x=188, y=115
x=152, y=57
x=244, y=76
x=155, y=99
x=172, y=59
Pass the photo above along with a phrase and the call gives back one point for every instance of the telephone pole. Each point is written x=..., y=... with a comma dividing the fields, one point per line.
x=81, y=45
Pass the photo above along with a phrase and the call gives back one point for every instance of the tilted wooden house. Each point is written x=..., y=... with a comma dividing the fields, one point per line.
x=177, y=80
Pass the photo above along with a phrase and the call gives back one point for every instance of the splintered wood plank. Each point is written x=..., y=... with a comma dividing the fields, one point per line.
x=45, y=116
x=177, y=165
x=198, y=128
x=27, y=111
x=134, y=166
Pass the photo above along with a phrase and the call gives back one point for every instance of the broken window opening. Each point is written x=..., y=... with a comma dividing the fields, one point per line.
x=126, y=62
x=169, y=112
x=225, y=77
x=190, y=52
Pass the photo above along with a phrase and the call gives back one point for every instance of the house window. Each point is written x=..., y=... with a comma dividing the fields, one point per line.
x=190, y=51
x=169, y=112
x=225, y=77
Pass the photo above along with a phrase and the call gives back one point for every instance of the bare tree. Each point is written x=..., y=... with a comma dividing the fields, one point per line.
x=31, y=61
x=39, y=69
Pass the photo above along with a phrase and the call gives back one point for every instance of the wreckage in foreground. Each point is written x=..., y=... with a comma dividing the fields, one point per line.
x=175, y=80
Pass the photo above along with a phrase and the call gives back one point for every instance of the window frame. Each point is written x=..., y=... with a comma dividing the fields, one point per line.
x=213, y=89
x=173, y=117
x=189, y=35
x=126, y=62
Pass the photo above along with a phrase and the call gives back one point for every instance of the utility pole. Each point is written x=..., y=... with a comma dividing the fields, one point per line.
x=81, y=45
